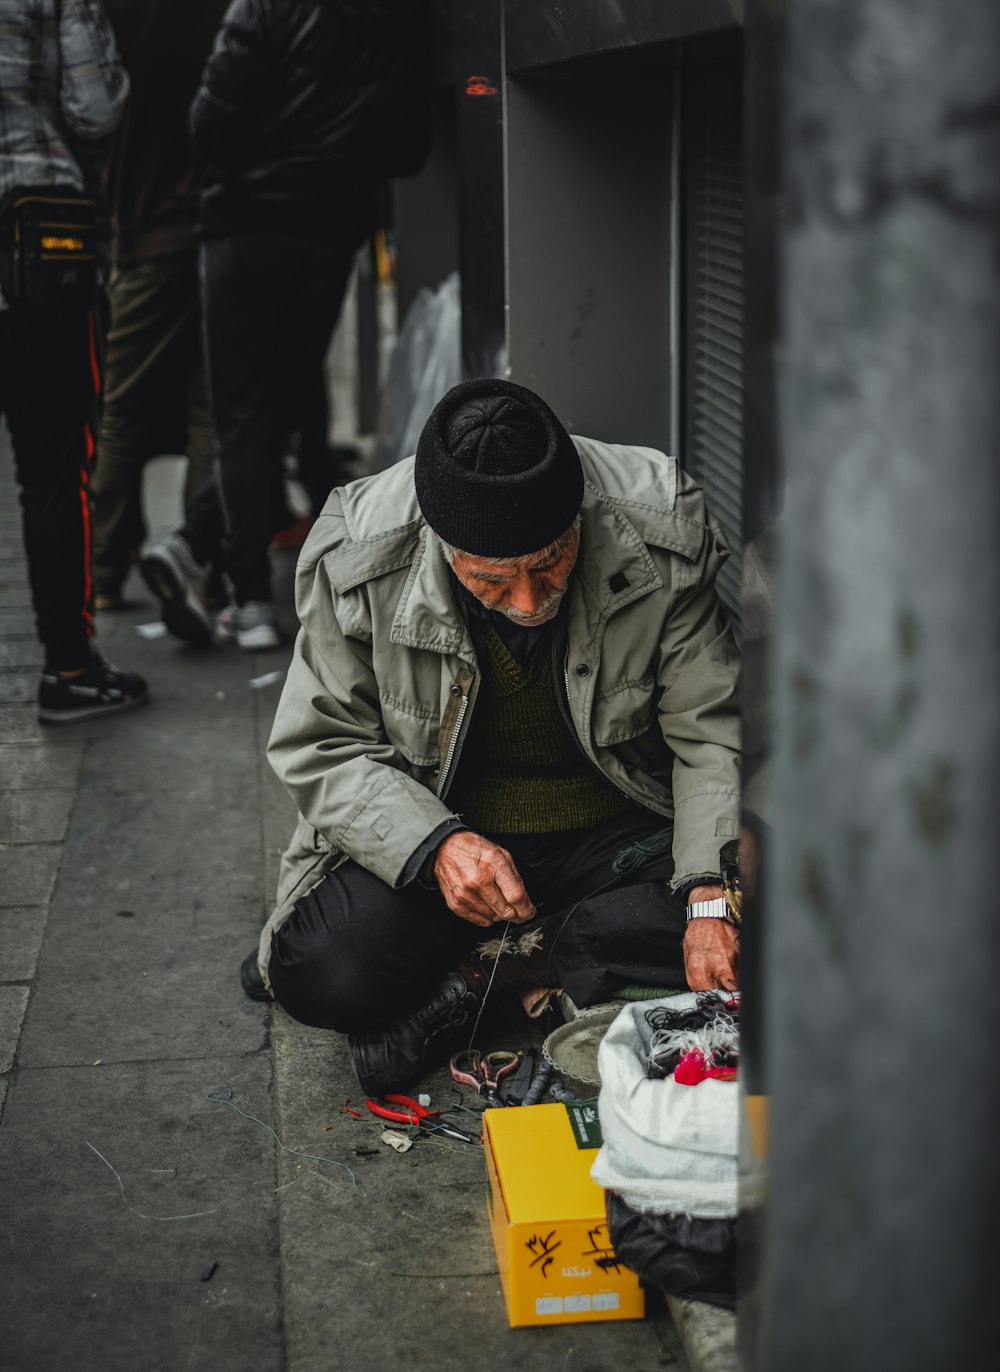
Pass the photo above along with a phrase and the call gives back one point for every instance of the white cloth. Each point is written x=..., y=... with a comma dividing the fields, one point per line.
x=667, y=1148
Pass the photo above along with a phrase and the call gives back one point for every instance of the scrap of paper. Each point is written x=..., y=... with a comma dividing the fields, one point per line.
x=257, y=683
x=395, y=1140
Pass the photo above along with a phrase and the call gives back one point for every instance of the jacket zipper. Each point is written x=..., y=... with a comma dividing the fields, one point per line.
x=452, y=746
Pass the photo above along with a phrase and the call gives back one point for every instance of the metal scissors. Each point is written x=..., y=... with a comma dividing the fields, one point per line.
x=410, y=1111
x=483, y=1071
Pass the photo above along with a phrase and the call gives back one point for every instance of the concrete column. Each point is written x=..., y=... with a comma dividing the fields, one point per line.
x=884, y=962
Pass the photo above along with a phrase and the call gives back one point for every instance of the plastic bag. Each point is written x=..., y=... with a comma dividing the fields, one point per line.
x=668, y=1164
x=426, y=362
x=667, y=1148
x=686, y=1256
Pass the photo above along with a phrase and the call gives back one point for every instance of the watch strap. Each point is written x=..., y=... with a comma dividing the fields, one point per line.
x=709, y=909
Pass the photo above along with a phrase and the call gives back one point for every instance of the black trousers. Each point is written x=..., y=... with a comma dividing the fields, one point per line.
x=50, y=382
x=270, y=303
x=355, y=955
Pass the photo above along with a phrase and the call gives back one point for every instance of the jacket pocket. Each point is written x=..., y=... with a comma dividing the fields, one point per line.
x=624, y=712
x=412, y=729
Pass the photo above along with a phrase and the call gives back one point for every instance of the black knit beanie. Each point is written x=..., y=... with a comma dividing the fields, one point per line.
x=496, y=474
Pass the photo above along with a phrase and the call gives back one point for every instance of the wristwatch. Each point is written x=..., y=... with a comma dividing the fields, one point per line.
x=710, y=909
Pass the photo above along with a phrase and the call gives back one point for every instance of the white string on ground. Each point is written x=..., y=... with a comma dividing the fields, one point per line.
x=197, y=1214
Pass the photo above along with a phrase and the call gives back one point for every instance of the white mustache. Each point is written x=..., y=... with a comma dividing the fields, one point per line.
x=545, y=611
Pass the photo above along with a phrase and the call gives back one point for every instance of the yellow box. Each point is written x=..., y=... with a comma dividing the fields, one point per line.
x=549, y=1227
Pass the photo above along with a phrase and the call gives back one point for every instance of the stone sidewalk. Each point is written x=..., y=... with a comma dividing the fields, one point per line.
x=144, y=1097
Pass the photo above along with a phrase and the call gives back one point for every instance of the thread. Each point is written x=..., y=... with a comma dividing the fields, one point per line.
x=142, y=1215
x=489, y=985
x=640, y=852
x=226, y=1098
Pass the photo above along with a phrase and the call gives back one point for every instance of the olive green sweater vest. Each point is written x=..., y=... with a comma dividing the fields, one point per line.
x=521, y=770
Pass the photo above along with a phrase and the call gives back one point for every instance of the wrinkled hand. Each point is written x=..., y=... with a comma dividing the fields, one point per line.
x=480, y=882
x=711, y=950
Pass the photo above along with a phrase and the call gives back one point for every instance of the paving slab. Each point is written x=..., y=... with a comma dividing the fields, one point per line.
x=16, y=619
x=141, y=959
x=28, y=873
x=19, y=723
x=103, y=1272
x=19, y=650
x=37, y=816
x=21, y=932
x=50, y=762
x=13, y=1001
x=18, y=685
x=708, y=1334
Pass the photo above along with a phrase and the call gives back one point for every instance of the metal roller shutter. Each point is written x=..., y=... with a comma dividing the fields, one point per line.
x=713, y=360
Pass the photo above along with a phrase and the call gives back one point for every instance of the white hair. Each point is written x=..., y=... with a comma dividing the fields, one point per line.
x=558, y=545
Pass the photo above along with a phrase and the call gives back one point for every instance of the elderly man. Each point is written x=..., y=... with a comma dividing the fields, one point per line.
x=512, y=711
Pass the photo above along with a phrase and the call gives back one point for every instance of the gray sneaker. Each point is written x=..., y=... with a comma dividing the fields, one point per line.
x=178, y=582
x=253, y=626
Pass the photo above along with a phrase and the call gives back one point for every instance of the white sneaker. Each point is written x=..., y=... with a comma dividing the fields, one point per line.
x=178, y=582
x=254, y=626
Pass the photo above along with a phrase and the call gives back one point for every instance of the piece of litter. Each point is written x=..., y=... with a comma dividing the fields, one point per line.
x=210, y=1271
x=257, y=683
x=155, y=630
x=97, y=1062
x=424, y=1100
x=398, y=1141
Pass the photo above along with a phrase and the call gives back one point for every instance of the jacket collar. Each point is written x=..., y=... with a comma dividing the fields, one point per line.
x=429, y=614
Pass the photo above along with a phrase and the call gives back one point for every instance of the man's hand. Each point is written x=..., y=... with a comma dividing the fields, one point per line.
x=711, y=948
x=480, y=882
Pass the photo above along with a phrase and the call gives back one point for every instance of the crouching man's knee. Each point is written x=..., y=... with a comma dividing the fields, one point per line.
x=318, y=982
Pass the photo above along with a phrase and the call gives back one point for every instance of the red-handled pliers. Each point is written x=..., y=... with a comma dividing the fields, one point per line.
x=412, y=1112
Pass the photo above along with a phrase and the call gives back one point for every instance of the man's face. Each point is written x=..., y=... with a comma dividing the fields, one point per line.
x=525, y=589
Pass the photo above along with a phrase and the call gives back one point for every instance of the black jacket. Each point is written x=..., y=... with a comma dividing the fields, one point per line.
x=305, y=106
x=152, y=188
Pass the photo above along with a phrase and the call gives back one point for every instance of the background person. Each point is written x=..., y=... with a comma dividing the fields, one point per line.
x=62, y=87
x=155, y=396
x=306, y=106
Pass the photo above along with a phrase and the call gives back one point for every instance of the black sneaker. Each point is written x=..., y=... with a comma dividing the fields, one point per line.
x=251, y=979
x=100, y=690
x=386, y=1061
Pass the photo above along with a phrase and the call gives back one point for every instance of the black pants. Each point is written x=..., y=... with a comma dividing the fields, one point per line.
x=355, y=954
x=270, y=303
x=50, y=381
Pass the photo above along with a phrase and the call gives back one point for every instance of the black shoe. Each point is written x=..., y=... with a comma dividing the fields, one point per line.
x=251, y=979
x=100, y=690
x=391, y=1059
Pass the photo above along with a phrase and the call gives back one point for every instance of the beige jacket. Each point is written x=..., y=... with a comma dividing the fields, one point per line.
x=383, y=682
